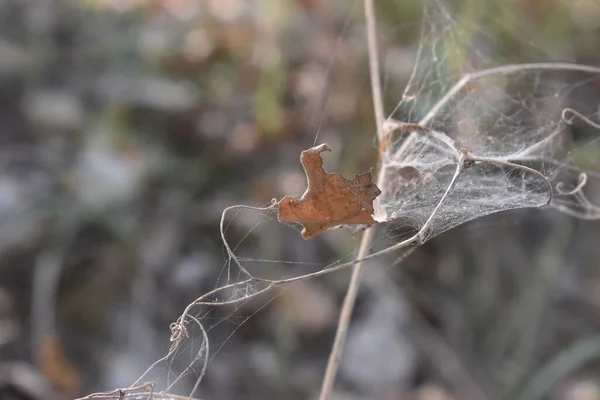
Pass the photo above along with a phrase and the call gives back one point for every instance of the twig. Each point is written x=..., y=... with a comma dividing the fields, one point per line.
x=146, y=388
x=367, y=239
x=374, y=68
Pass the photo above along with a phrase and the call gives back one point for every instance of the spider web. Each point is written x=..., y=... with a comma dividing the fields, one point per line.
x=470, y=136
x=514, y=121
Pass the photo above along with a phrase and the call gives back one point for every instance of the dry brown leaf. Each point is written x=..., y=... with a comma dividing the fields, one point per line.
x=330, y=199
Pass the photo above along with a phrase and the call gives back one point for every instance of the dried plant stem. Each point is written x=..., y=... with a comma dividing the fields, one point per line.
x=346, y=315
x=352, y=292
x=374, y=68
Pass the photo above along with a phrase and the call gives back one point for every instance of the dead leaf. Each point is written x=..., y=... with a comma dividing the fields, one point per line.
x=330, y=199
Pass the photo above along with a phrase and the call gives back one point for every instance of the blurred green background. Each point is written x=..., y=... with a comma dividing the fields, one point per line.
x=127, y=126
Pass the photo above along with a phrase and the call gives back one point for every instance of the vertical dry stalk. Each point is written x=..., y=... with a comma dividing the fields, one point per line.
x=351, y=294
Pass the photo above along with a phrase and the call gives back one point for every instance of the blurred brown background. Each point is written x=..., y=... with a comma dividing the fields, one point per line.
x=127, y=126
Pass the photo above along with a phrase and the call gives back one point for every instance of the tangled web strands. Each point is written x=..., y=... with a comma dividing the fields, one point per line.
x=526, y=129
x=511, y=125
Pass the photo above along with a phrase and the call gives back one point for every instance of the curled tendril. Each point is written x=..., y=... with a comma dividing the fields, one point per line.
x=178, y=331
x=577, y=114
x=581, y=182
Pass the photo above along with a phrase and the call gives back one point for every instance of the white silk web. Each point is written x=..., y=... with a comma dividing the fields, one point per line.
x=515, y=127
x=522, y=147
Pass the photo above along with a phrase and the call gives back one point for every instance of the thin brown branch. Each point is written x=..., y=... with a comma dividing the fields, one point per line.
x=367, y=239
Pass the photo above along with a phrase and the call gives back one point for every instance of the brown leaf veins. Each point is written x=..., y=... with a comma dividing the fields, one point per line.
x=330, y=199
